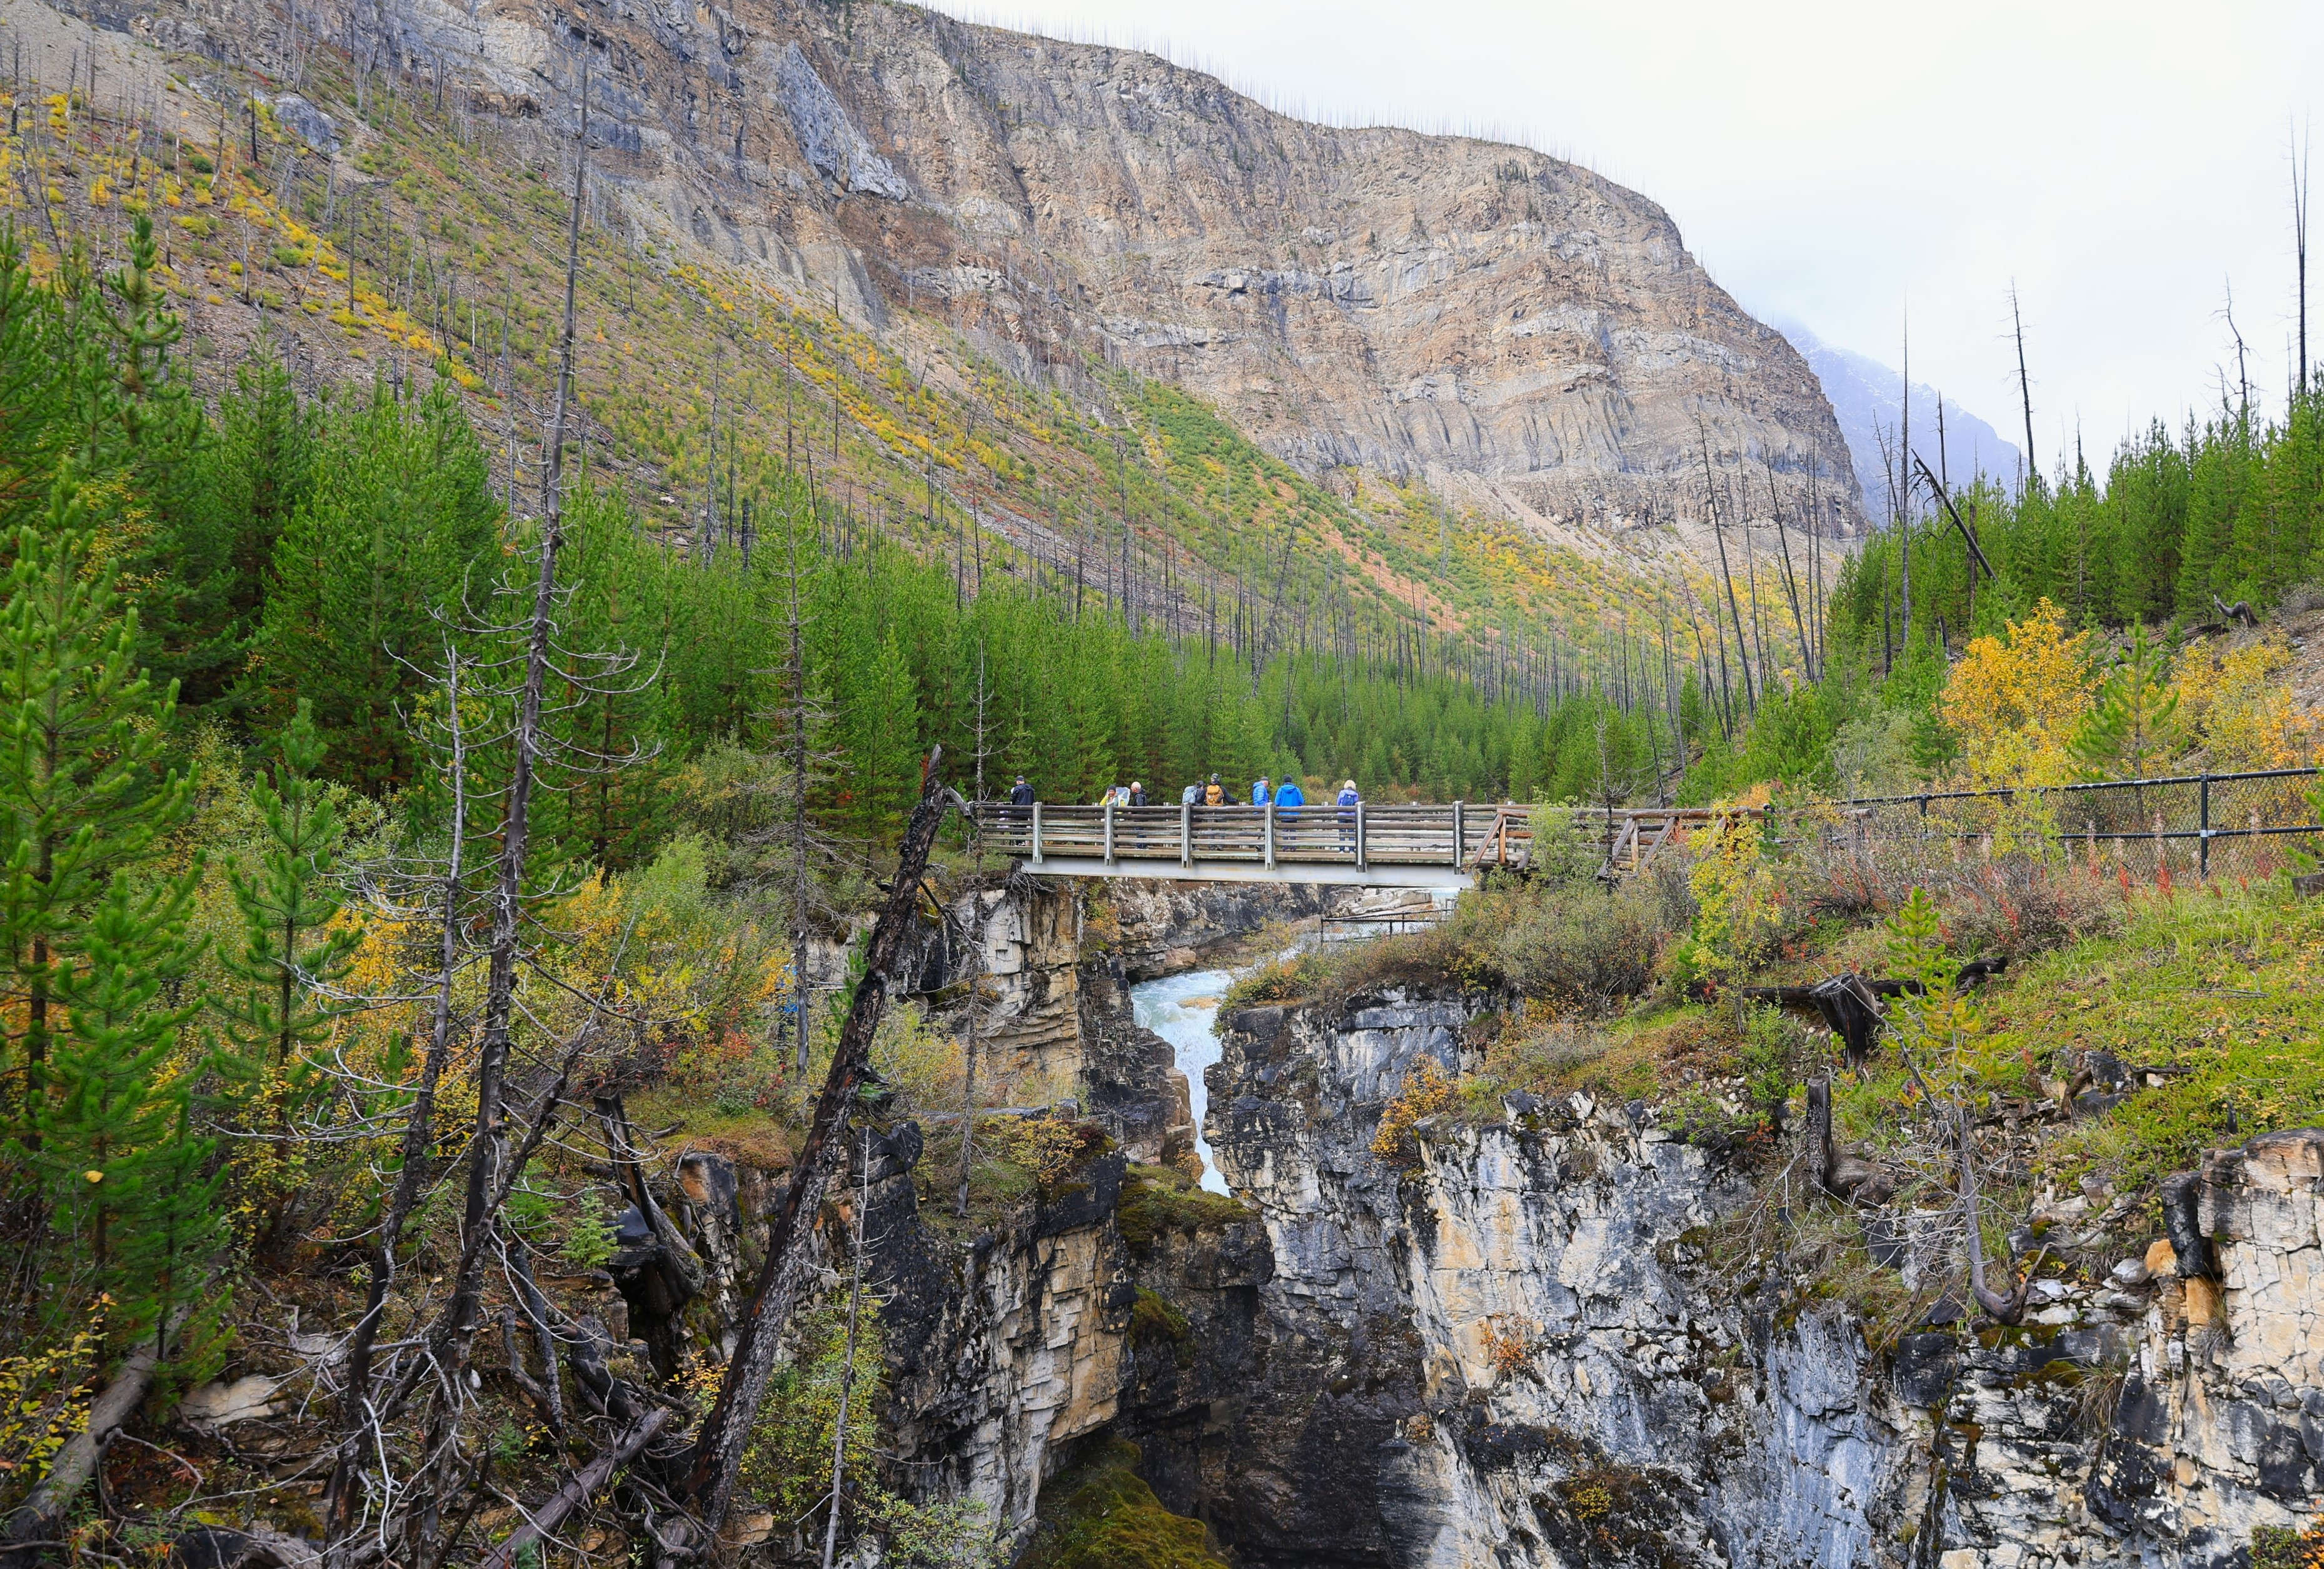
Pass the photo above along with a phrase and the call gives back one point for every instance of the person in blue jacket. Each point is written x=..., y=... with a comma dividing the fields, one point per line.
x=1347, y=805
x=1258, y=790
x=1287, y=795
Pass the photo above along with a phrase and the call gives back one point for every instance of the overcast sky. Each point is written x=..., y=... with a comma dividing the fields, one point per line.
x=2124, y=162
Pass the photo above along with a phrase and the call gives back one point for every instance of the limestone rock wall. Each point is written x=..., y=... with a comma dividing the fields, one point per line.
x=1523, y=1349
x=1003, y=1353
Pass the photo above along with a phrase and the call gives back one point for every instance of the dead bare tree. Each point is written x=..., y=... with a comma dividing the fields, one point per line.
x=2025, y=386
x=847, y=1376
x=1725, y=575
x=718, y=1448
x=2299, y=252
x=358, y=1406
x=1791, y=583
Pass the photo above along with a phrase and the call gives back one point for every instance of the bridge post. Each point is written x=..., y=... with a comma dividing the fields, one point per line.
x=1037, y=833
x=1270, y=810
x=1360, y=836
x=1109, y=833
x=1460, y=837
x=1185, y=834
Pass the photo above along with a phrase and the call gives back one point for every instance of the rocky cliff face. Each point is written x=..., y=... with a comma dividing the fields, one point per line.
x=1528, y=1349
x=1533, y=338
x=1536, y=1338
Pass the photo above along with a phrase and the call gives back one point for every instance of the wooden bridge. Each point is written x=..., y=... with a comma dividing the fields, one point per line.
x=1363, y=845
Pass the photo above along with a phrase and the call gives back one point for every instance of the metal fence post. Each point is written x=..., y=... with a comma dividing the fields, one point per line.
x=1460, y=835
x=1270, y=810
x=1037, y=833
x=1360, y=836
x=2203, y=828
x=1186, y=835
x=1109, y=833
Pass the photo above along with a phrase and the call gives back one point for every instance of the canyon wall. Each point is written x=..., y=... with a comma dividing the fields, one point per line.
x=1531, y=1347
x=1545, y=1333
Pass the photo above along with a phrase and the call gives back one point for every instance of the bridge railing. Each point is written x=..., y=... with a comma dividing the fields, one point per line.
x=1362, y=836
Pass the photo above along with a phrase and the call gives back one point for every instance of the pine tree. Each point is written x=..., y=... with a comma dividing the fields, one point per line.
x=2132, y=731
x=83, y=790
x=401, y=523
x=36, y=373
x=133, y=1212
x=290, y=955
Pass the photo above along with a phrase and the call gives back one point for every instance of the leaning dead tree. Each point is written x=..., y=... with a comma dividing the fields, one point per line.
x=718, y=1449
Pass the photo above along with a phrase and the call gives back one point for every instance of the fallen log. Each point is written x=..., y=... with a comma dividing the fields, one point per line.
x=541, y=1522
x=39, y=1519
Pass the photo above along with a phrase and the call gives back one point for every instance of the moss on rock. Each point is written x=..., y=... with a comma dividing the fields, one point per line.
x=1099, y=1514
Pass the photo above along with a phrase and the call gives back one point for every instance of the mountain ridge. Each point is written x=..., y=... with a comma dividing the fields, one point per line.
x=1866, y=396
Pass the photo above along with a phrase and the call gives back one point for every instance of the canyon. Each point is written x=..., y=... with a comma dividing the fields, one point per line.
x=1548, y=1338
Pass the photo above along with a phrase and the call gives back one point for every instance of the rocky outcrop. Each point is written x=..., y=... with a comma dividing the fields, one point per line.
x=1164, y=928
x=1525, y=1348
x=1054, y=963
x=1003, y=1353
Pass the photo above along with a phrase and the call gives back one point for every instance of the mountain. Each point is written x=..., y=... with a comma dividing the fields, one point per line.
x=1074, y=308
x=1518, y=331
x=1868, y=399
x=1373, y=298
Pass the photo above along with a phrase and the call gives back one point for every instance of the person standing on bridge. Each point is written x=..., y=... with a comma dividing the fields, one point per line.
x=1261, y=788
x=1348, y=802
x=1192, y=795
x=1287, y=795
x=1022, y=794
x=1214, y=794
x=1136, y=793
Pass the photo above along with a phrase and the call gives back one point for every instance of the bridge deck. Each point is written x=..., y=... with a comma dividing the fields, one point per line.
x=1368, y=846
x=1396, y=846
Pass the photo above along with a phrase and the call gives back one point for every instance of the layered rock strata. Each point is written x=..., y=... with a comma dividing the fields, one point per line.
x=1524, y=1349
x=1520, y=329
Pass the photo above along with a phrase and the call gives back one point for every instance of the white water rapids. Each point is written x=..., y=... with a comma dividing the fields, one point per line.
x=1183, y=1010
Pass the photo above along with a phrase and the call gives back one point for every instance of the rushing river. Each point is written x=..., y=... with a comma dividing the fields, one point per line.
x=1183, y=1010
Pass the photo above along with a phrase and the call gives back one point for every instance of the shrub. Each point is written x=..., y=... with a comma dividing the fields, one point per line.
x=1292, y=978
x=2016, y=907
x=1507, y=1348
x=1047, y=1147
x=1543, y=1061
x=1738, y=904
x=1426, y=1090
x=2281, y=1547
x=1583, y=950
x=1774, y=1049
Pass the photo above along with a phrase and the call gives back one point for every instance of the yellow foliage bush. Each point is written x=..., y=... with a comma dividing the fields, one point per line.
x=1046, y=1146
x=1507, y=1347
x=2242, y=709
x=1427, y=1089
x=2015, y=702
x=43, y=1401
x=1738, y=904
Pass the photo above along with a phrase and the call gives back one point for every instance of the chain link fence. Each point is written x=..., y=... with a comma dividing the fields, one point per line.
x=2192, y=824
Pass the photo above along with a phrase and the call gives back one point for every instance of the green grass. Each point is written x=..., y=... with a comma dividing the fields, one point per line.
x=2226, y=985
